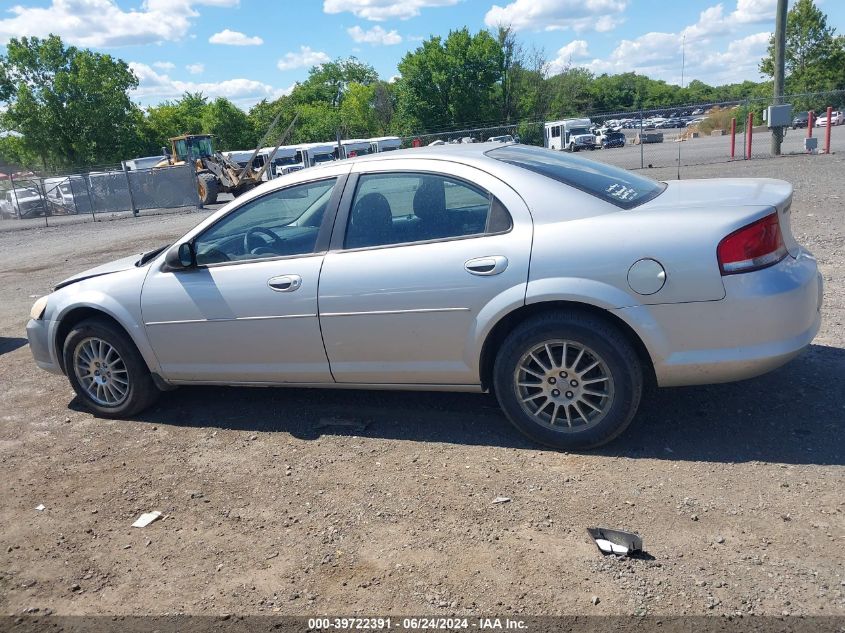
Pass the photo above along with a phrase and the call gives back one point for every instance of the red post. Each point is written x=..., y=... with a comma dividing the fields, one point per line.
x=827, y=130
x=733, y=138
x=810, y=116
x=749, y=125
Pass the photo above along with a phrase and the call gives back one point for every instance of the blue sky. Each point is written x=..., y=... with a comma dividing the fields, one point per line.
x=247, y=50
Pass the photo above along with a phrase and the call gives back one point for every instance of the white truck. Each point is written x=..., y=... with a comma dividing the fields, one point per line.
x=316, y=153
x=384, y=144
x=288, y=158
x=355, y=147
x=569, y=134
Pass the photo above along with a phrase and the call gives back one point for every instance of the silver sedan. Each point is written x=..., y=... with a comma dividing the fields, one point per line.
x=561, y=284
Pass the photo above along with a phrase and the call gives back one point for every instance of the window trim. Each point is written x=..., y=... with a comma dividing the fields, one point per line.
x=321, y=245
x=342, y=217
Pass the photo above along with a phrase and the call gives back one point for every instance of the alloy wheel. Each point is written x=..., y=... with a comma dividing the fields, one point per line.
x=564, y=385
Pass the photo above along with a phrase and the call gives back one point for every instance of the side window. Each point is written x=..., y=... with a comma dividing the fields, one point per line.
x=399, y=208
x=181, y=149
x=556, y=131
x=284, y=222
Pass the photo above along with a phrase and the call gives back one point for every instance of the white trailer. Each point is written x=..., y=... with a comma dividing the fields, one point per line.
x=287, y=158
x=316, y=153
x=384, y=144
x=355, y=147
x=569, y=134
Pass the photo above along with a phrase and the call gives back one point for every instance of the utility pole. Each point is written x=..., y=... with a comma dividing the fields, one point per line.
x=780, y=54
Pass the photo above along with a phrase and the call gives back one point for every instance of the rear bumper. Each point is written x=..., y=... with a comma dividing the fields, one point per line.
x=766, y=318
x=37, y=332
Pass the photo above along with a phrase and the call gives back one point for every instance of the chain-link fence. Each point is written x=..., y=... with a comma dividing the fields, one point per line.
x=28, y=197
x=677, y=136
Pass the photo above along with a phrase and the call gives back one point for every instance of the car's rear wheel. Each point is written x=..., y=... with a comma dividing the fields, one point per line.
x=568, y=380
x=106, y=370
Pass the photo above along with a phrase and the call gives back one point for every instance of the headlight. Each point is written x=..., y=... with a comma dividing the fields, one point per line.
x=38, y=308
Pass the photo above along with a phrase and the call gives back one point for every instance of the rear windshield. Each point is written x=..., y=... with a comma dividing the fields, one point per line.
x=609, y=183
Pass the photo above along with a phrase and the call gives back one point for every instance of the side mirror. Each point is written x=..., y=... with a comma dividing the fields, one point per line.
x=165, y=151
x=180, y=257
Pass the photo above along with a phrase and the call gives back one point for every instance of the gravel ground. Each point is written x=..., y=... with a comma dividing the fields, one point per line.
x=306, y=502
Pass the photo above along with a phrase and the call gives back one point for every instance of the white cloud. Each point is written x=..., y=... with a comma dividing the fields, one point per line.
x=576, y=49
x=556, y=15
x=740, y=59
x=709, y=55
x=195, y=69
x=305, y=58
x=164, y=65
x=379, y=10
x=102, y=23
x=235, y=38
x=755, y=11
x=154, y=87
x=375, y=36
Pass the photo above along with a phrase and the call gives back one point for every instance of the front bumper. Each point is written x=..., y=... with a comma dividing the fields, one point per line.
x=38, y=333
x=766, y=318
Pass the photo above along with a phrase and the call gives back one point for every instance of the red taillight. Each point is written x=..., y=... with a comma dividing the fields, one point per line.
x=752, y=247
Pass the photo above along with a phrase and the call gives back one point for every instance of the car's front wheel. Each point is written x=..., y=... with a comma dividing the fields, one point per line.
x=568, y=380
x=106, y=370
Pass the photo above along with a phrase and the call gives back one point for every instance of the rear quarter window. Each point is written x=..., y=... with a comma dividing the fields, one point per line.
x=617, y=186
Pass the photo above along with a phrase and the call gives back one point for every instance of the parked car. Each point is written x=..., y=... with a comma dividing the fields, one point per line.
x=836, y=118
x=800, y=120
x=23, y=202
x=410, y=270
x=504, y=138
x=612, y=139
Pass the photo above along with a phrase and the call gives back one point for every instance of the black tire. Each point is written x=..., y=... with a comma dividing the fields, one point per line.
x=142, y=391
x=611, y=345
x=207, y=188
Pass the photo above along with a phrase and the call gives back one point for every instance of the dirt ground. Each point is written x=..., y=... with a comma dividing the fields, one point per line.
x=343, y=502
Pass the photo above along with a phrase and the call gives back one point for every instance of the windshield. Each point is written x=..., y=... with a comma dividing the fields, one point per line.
x=286, y=160
x=611, y=184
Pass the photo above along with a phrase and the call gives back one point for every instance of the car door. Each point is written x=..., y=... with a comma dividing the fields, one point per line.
x=423, y=254
x=247, y=312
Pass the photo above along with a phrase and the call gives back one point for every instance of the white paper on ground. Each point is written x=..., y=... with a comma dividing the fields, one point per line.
x=145, y=519
x=40, y=507
x=611, y=548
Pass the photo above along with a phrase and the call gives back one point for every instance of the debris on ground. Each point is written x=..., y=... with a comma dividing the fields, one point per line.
x=501, y=500
x=40, y=507
x=145, y=519
x=619, y=542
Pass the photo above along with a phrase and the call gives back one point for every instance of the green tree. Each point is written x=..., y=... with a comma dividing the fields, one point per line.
x=357, y=112
x=229, y=124
x=72, y=106
x=814, y=56
x=329, y=82
x=451, y=82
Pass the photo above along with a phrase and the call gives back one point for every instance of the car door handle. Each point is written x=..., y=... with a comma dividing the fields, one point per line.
x=486, y=266
x=285, y=283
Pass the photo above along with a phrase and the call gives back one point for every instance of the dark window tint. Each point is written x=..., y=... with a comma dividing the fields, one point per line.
x=612, y=184
x=284, y=222
x=407, y=207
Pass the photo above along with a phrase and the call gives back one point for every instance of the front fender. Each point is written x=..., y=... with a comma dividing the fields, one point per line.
x=117, y=295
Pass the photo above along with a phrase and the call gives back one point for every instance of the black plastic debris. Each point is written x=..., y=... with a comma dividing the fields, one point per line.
x=616, y=541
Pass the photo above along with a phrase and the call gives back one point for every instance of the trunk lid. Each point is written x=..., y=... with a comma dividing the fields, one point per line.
x=731, y=195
